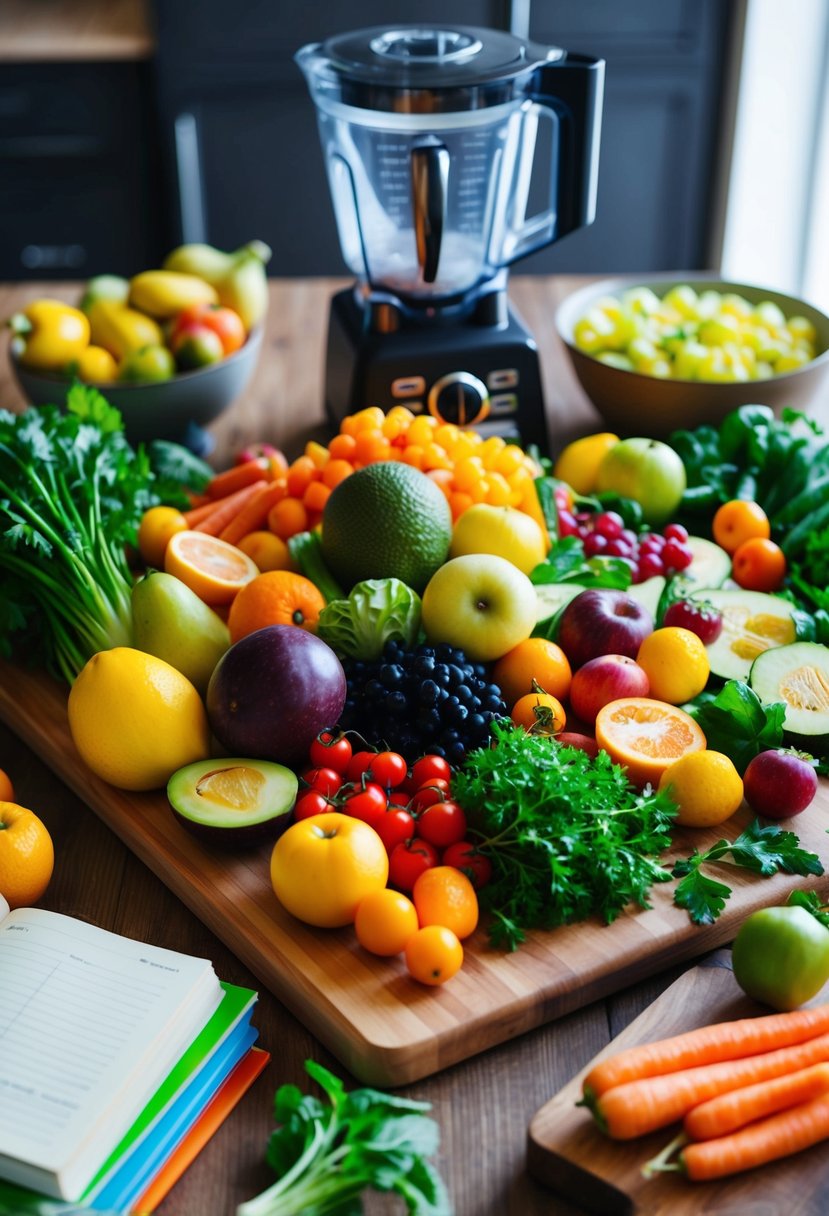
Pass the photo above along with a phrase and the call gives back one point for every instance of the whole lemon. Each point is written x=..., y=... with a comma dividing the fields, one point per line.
x=504, y=531
x=135, y=719
x=705, y=786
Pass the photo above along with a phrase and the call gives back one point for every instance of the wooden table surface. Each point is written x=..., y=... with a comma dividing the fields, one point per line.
x=483, y=1106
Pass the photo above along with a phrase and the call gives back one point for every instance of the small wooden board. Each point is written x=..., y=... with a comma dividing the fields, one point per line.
x=386, y=1028
x=566, y=1150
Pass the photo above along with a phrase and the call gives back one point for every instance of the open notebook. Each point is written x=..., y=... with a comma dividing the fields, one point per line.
x=90, y=1025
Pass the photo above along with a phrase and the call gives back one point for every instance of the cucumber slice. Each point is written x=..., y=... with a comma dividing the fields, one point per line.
x=648, y=593
x=797, y=675
x=711, y=565
x=752, y=623
x=551, y=597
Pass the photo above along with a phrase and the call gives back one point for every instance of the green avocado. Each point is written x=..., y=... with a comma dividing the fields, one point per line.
x=233, y=801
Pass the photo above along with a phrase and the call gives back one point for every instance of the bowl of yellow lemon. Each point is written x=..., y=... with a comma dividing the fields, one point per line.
x=671, y=351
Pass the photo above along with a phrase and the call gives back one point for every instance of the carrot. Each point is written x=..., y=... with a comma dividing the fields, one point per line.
x=731, y=1111
x=255, y=510
x=638, y=1107
x=196, y=514
x=721, y=1041
x=769, y=1140
x=237, y=477
x=226, y=510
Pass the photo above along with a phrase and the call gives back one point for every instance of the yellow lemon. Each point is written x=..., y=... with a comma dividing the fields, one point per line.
x=705, y=786
x=135, y=719
x=676, y=663
x=502, y=531
x=578, y=463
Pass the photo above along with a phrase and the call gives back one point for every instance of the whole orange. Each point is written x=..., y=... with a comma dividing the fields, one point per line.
x=6, y=787
x=539, y=713
x=534, y=659
x=278, y=597
x=27, y=856
x=444, y=896
x=433, y=955
x=385, y=921
x=737, y=521
x=322, y=868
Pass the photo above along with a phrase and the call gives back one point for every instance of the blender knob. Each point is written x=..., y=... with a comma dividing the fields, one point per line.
x=459, y=398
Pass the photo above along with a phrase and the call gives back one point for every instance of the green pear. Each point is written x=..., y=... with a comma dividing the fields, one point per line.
x=172, y=623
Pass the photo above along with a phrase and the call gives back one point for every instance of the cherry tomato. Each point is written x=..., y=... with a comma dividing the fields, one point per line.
x=428, y=795
x=367, y=803
x=465, y=857
x=224, y=322
x=388, y=768
x=330, y=749
x=395, y=826
x=358, y=764
x=399, y=798
x=324, y=780
x=409, y=860
x=312, y=802
x=442, y=824
x=429, y=768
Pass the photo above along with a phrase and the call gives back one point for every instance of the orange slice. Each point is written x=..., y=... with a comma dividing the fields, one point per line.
x=645, y=736
x=210, y=567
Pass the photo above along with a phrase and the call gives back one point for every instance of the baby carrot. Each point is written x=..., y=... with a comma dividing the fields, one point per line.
x=768, y=1140
x=721, y=1041
x=725, y=1114
x=638, y=1107
x=195, y=515
x=254, y=511
x=226, y=510
x=237, y=477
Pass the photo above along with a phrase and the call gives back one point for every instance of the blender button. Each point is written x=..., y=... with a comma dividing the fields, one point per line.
x=504, y=403
x=415, y=406
x=408, y=386
x=506, y=378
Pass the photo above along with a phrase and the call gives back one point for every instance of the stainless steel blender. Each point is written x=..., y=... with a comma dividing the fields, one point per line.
x=430, y=138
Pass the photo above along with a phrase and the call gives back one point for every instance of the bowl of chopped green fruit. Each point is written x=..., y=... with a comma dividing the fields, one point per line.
x=674, y=351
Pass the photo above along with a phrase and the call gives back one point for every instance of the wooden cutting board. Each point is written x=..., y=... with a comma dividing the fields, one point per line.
x=386, y=1028
x=566, y=1150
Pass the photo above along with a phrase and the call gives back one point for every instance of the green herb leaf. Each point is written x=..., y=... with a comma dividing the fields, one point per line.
x=703, y=897
x=737, y=723
x=566, y=563
x=811, y=902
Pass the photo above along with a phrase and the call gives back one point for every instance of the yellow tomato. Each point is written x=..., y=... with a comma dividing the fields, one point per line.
x=324, y=866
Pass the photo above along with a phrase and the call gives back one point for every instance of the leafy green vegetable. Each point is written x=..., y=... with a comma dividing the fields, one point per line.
x=736, y=723
x=306, y=550
x=568, y=836
x=176, y=469
x=763, y=849
x=810, y=900
x=72, y=492
x=377, y=610
x=566, y=563
x=327, y=1153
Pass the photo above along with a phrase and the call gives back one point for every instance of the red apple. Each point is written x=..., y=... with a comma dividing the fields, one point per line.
x=584, y=743
x=604, y=679
x=602, y=621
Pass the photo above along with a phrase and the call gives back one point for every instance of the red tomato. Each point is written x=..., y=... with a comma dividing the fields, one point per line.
x=428, y=795
x=358, y=764
x=312, y=802
x=399, y=798
x=388, y=768
x=429, y=768
x=465, y=857
x=367, y=803
x=324, y=780
x=330, y=749
x=408, y=861
x=395, y=827
x=442, y=824
x=224, y=322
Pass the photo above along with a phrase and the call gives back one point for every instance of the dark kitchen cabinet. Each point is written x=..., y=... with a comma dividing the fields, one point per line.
x=79, y=179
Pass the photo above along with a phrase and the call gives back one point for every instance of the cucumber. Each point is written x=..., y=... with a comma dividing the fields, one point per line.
x=648, y=593
x=797, y=675
x=753, y=622
x=551, y=598
x=711, y=565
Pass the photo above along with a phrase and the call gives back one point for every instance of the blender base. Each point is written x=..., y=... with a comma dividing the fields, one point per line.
x=464, y=371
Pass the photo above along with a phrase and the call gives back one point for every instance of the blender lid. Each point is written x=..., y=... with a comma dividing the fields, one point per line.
x=417, y=68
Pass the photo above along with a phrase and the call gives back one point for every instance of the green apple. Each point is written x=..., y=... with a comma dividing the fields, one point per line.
x=649, y=472
x=172, y=623
x=481, y=603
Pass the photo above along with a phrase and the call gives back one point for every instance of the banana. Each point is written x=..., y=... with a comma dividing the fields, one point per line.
x=164, y=293
x=239, y=278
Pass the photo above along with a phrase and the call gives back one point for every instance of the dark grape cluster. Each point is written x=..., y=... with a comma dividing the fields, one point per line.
x=429, y=699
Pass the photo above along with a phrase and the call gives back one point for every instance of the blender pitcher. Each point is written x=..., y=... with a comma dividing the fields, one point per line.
x=430, y=136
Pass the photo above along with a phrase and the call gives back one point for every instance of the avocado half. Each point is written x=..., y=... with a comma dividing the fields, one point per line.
x=233, y=801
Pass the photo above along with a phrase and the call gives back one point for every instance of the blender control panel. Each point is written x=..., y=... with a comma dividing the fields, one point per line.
x=460, y=397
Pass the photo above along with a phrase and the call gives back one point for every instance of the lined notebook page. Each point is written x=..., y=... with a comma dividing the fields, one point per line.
x=79, y=1009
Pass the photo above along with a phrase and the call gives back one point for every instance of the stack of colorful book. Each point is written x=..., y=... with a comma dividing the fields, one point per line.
x=118, y=1060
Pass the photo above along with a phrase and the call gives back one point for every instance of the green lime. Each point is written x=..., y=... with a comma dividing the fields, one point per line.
x=386, y=520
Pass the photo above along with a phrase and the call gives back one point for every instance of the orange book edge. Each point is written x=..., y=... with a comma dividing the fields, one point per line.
x=232, y=1089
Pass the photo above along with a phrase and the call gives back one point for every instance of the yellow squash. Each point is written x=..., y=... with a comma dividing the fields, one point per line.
x=164, y=293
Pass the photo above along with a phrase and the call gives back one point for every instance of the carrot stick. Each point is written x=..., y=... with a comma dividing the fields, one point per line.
x=226, y=510
x=237, y=477
x=721, y=1041
x=254, y=512
x=196, y=514
x=779, y=1136
x=731, y=1111
x=643, y=1106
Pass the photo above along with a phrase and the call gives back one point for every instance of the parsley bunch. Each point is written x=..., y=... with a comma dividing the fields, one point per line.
x=568, y=836
x=327, y=1153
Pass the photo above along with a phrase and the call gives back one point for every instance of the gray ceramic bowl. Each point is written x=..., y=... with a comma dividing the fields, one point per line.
x=633, y=403
x=168, y=409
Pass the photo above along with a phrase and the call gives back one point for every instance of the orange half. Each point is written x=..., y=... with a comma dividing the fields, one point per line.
x=645, y=736
x=210, y=567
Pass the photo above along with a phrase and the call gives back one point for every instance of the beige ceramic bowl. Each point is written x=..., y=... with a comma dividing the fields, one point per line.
x=631, y=403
